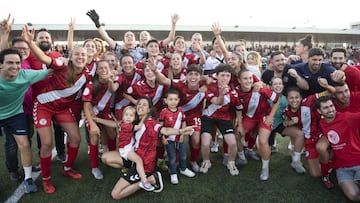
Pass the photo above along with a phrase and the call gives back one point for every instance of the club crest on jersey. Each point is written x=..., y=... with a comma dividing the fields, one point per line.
x=43, y=121
x=333, y=137
x=86, y=91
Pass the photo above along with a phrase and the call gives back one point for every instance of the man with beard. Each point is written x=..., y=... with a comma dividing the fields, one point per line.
x=284, y=71
x=341, y=136
x=314, y=69
x=338, y=58
x=44, y=42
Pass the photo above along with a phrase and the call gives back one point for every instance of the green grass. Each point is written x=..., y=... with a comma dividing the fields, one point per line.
x=284, y=185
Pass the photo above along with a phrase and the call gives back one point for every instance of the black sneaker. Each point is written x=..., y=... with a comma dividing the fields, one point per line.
x=36, y=168
x=61, y=158
x=15, y=176
x=159, y=186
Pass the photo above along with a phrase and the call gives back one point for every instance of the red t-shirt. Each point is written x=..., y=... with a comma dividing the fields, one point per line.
x=142, y=89
x=191, y=101
x=256, y=104
x=223, y=111
x=352, y=78
x=37, y=65
x=172, y=120
x=145, y=145
x=124, y=83
x=101, y=102
x=126, y=135
x=57, y=95
x=310, y=117
x=354, y=105
x=343, y=135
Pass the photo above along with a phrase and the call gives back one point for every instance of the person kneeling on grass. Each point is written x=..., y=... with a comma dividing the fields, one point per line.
x=145, y=146
x=341, y=135
x=126, y=142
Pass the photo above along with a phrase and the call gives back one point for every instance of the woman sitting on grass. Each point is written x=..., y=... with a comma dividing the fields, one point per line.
x=145, y=146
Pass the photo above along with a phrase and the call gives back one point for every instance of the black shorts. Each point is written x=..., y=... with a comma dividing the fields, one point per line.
x=132, y=175
x=279, y=129
x=16, y=124
x=208, y=124
x=127, y=163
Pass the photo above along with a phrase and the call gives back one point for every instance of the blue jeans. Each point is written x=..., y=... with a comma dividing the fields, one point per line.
x=171, y=148
x=11, y=148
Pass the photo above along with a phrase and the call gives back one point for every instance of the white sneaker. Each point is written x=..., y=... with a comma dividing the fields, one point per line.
x=232, y=168
x=205, y=165
x=97, y=173
x=297, y=165
x=214, y=147
x=252, y=155
x=264, y=174
x=195, y=166
x=187, y=173
x=240, y=161
x=174, y=179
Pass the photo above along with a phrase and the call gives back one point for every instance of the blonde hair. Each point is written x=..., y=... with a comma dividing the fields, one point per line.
x=129, y=108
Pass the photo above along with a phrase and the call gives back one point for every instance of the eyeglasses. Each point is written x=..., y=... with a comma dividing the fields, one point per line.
x=21, y=48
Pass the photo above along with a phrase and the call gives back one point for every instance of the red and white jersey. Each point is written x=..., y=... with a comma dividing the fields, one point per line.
x=92, y=67
x=290, y=114
x=101, y=101
x=256, y=104
x=343, y=135
x=40, y=86
x=126, y=135
x=142, y=89
x=188, y=59
x=161, y=64
x=57, y=94
x=145, y=143
x=191, y=101
x=181, y=75
x=310, y=117
x=124, y=83
x=354, y=105
x=223, y=111
x=172, y=120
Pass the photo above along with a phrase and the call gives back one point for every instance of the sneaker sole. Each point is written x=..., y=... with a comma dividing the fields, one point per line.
x=160, y=183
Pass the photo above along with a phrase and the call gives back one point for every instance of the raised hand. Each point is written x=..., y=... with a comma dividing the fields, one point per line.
x=175, y=18
x=323, y=82
x=27, y=34
x=216, y=29
x=94, y=17
x=6, y=25
x=72, y=24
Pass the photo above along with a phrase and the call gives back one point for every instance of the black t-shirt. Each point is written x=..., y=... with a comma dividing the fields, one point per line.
x=288, y=80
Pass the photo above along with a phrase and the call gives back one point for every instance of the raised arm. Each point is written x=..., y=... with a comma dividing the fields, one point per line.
x=220, y=99
x=95, y=18
x=217, y=33
x=161, y=78
x=109, y=123
x=189, y=130
x=300, y=81
x=28, y=36
x=324, y=83
x=171, y=36
x=70, y=37
x=138, y=126
x=5, y=28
